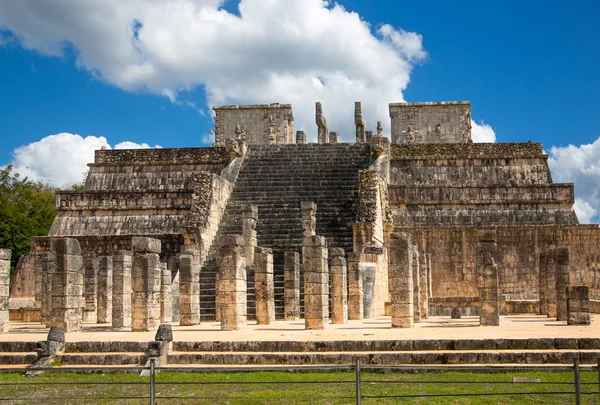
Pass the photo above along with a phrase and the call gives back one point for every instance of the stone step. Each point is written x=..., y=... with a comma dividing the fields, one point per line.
x=101, y=358
x=13, y=358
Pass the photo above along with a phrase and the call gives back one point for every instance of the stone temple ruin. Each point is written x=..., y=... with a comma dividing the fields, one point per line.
x=265, y=226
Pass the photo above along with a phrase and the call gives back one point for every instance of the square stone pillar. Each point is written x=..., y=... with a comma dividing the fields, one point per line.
x=47, y=263
x=264, y=286
x=92, y=266
x=145, y=281
x=105, y=289
x=487, y=270
x=550, y=278
x=249, y=231
x=423, y=285
x=121, y=310
x=316, y=282
x=300, y=137
x=369, y=273
x=578, y=305
x=166, y=295
x=339, y=286
x=4, y=288
x=401, y=280
x=67, y=285
x=562, y=282
x=189, y=287
x=232, y=283
x=291, y=286
x=355, y=288
x=39, y=281
x=416, y=276
x=429, y=278
x=309, y=219
x=334, y=137
x=543, y=283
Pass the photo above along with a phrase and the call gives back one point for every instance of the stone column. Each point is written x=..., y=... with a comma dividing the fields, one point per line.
x=339, y=286
x=359, y=122
x=232, y=283
x=334, y=137
x=429, y=278
x=166, y=295
x=309, y=218
x=300, y=137
x=121, y=310
x=487, y=269
x=543, y=283
x=562, y=282
x=67, y=285
x=105, y=289
x=578, y=305
x=4, y=288
x=416, y=276
x=146, y=280
x=401, y=280
x=291, y=286
x=48, y=268
x=39, y=282
x=264, y=286
x=249, y=231
x=369, y=273
x=175, y=296
x=423, y=286
x=321, y=123
x=189, y=288
x=550, y=278
x=91, y=263
x=316, y=283
x=355, y=288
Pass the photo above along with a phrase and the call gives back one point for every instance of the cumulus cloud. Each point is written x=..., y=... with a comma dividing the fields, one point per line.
x=482, y=132
x=289, y=51
x=579, y=165
x=61, y=159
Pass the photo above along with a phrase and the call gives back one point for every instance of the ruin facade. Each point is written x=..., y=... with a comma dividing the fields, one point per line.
x=283, y=195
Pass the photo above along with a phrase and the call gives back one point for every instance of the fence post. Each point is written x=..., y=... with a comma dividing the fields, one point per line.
x=152, y=382
x=357, y=369
x=577, y=380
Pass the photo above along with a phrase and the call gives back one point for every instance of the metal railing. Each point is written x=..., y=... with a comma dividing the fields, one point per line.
x=152, y=397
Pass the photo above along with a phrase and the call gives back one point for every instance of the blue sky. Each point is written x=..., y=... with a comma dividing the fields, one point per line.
x=528, y=68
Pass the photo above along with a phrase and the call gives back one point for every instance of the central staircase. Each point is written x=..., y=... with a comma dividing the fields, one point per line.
x=277, y=178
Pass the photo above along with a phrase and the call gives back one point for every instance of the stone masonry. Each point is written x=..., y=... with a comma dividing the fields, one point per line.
x=105, y=289
x=291, y=290
x=578, y=305
x=67, y=286
x=562, y=282
x=232, y=283
x=4, y=276
x=355, y=288
x=166, y=295
x=316, y=283
x=339, y=286
x=489, y=312
x=189, y=288
x=249, y=231
x=145, y=283
x=424, y=272
x=91, y=264
x=401, y=280
x=264, y=287
x=416, y=276
x=550, y=279
x=121, y=310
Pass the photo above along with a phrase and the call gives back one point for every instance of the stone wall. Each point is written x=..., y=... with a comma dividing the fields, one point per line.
x=257, y=121
x=442, y=122
x=160, y=156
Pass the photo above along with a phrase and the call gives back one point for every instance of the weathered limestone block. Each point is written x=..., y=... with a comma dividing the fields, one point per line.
x=416, y=269
x=562, y=282
x=4, y=288
x=250, y=220
x=264, y=286
x=401, y=280
x=424, y=284
x=105, y=289
x=316, y=283
x=67, y=285
x=578, y=305
x=92, y=267
x=146, y=281
x=189, y=288
x=309, y=218
x=369, y=273
x=232, y=283
x=550, y=279
x=321, y=123
x=121, y=310
x=334, y=137
x=300, y=137
x=360, y=122
x=48, y=268
x=291, y=286
x=355, y=287
x=543, y=283
x=487, y=269
x=175, y=296
x=339, y=286
x=166, y=295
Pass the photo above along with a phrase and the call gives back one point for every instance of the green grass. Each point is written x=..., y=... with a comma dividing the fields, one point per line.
x=294, y=388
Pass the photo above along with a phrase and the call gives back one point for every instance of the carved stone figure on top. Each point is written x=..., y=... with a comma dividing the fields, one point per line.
x=360, y=122
x=379, y=129
x=321, y=123
x=233, y=148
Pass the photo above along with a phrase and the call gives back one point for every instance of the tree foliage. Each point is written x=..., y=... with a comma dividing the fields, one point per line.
x=26, y=210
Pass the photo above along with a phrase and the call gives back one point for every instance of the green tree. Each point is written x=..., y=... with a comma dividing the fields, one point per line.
x=26, y=210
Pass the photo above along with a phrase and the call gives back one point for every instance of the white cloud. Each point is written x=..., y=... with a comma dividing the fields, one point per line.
x=482, y=132
x=579, y=165
x=289, y=51
x=61, y=159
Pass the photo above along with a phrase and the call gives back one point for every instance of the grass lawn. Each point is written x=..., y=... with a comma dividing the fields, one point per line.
x=294, y=388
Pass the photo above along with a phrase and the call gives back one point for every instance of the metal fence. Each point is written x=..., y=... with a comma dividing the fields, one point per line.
x=575, y=389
